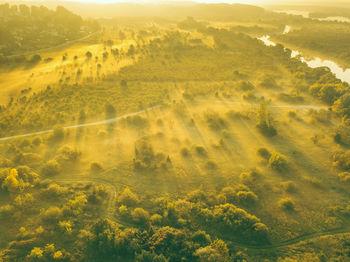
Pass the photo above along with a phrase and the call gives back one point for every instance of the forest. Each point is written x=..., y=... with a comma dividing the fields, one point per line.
x=172, y=138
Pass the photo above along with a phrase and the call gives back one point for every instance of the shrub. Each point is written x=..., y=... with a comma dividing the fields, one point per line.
x=292, y=114
x=185, y=152
x=287, y=204
x=68, y=155
x=211, y=165
x=140, y=216
x=214, y=121
x=52, y=214
x=264, y=153
x=37, y=141
x=55, y=191
x=201, y=237
x=6, y=211
x=289, y=186
x=245, y=86
x=341, y=160
x=51, y=168
x=264, y=123
x=123, y=211
x=57, y=135
x=128, y=198
x=278, y=162
x=249, y=178
x=156, y=219
x=137, y=121
x=201, y=151
x=247, y=197
x=344, y=177
x=269, y=82
x=96, y=167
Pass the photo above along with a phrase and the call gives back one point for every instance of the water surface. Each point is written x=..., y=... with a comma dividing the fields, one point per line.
x=342, y=74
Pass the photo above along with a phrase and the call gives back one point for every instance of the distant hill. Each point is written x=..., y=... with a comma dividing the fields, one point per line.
x=26, y=28
x=220, y=12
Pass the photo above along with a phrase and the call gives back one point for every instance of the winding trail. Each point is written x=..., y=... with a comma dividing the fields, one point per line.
x=111, y=209
x=113, y=120
x=111, y=206
x=102, y=122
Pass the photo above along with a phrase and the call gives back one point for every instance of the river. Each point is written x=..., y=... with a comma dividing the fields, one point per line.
x=340, y=73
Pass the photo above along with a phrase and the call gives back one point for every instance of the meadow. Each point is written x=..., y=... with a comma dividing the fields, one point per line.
x=173, y=141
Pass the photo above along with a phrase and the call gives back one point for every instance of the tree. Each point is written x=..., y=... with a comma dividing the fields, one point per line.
x=88, y=55
x=140, y=216
x=51, y=168
x=131, y=50
x=11, y=182
x=278, y=162
x=110, y=111
x=35, y=254
x=264, y=123
x=128, y=198
x=215, y=252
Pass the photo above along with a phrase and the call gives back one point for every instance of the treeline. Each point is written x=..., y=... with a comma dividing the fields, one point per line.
x=24, y=28
x=330, y=39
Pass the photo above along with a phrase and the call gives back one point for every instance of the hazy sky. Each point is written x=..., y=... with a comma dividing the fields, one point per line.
x=252, y=2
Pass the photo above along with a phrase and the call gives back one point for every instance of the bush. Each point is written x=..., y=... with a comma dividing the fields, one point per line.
x=341, y=160
x=123, y=211
x=211, y=165
x=140, y=216
x=278, y=162
x=185, y=152
x=201, y=238
x=289, y=186
x=51, y=168
x=52, y=215
x=264, y=153
x=156, y=219
x=201, y=151
x=247, y=197
x=55, y=191
x=245, y=86
x=287, y=204
x=96, y=167
x=249, y=178
x=128, y=198
x=68, y=155
x=57, y=135
x=344, y=177
x=214, y=121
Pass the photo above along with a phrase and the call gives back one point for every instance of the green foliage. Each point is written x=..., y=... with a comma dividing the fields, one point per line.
x=341, y=160
x=51, y=168
x=264, y=123
x=247, y=197
x=96, y=167
x=287, y=204
x=216, y=251
x=11, y=182
x=264, y=153
x=140, y=216
x=128, y=198
x=278, y=162
x=214, y=121
x=201, y=151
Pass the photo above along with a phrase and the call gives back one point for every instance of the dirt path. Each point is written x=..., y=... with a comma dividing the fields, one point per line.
x=103, y=122
x=111, y=209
